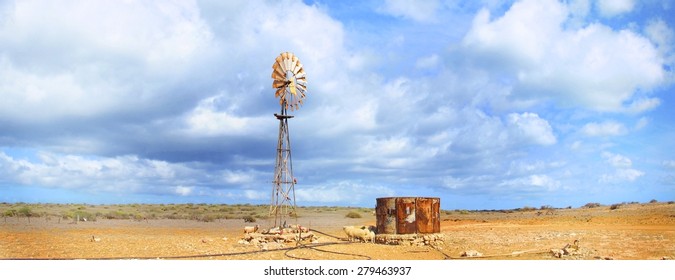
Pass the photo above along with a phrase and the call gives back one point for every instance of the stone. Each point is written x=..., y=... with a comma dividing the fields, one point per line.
x=471, y=253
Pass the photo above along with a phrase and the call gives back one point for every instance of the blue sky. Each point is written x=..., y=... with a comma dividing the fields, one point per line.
x=485, y=104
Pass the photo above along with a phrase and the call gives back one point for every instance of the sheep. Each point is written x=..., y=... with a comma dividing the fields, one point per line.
x=250, y=229
x=274, y=230
x=299, y=228
x=363, y=233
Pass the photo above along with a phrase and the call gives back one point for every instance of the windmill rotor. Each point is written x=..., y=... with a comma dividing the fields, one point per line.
x=289, y=80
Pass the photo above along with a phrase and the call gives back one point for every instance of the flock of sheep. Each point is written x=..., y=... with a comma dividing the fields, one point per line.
x=362, y=233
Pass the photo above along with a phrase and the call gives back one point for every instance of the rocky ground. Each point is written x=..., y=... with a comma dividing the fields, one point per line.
x=632, y=231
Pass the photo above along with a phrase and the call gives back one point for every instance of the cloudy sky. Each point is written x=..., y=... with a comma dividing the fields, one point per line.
x=485, y=104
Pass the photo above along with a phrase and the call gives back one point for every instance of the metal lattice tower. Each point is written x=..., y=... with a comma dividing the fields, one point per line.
x=282, y=205
x=290, y=83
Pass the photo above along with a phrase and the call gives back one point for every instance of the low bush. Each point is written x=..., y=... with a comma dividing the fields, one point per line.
x=25, y=211
x=526, y=209
x=592, y=205
x=10, y=213
x=353, y=215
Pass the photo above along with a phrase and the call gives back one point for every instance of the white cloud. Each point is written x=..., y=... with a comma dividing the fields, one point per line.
x=124, y=174
x=641, y=123
x=531, y=128
x=422, y=11
x=255, y=195
x=663, y=36
x=535, y=182
x=617, y=160
x=206, y=119
x=611, y=8
x=668, y=164
x=576, y=145
x=622, y=175
x=642, y=105
x=593, y=66
x=623, y=171
x=607, y=128
x=579, y=8
x=455, y=183
x=239, y=177
x=183, y=191
x=347, y=192
x=520, y=167
x=88, y=59
x=427, y=62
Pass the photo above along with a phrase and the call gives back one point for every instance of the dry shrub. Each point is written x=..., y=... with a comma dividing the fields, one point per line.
x=353, y=215
x=592, y=205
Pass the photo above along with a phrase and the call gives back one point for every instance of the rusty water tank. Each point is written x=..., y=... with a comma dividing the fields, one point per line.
x=408, y=215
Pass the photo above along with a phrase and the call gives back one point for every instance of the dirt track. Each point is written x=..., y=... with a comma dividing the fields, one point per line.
x=635, y=231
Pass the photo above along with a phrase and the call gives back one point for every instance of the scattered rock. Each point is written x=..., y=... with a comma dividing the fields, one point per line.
x=567, y=250
x=558, y=253
x=471, y=253
x=410, y=239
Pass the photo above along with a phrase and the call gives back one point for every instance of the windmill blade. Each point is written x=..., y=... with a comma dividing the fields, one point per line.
x=278, y=83
x=287, y=64
x=278, y=72
x=298, y=68
x=278, y=61
x=277, y=76
x=279, y=92
x=300, y=75
x=294, y=64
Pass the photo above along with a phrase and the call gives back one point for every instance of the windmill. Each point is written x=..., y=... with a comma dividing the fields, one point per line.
x=291, y=86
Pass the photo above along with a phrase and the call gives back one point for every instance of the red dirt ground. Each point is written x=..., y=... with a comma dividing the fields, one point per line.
x=634, y=231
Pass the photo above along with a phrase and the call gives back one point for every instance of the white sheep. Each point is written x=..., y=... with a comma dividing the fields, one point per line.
x=363, y=233
x=299, y=228
x=274, y=230
x=250, y=229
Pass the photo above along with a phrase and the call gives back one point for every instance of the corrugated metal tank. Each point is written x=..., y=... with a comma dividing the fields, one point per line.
x=408, y=215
